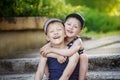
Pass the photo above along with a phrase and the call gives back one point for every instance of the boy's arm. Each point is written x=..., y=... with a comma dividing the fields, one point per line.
x=73, y=60
x=69, y=52
x=46, y=71
x=60, y=59
x=41, y=68
x=83, y=66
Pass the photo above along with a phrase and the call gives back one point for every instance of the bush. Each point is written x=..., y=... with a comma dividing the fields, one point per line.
x=95, y=21
x=100, y=22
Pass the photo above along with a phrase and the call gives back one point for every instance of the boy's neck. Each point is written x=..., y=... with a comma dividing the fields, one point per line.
x=62, y=45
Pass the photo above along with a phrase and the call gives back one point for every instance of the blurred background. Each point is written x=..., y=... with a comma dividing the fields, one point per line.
x=21, y=21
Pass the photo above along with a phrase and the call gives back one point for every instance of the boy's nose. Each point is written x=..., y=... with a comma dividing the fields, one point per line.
x=71, y=27
x=56, y=32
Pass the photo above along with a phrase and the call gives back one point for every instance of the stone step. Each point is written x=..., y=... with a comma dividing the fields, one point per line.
x=22, y=65
x=91, y=75
x=103, y=75
x=102, y=62
x=28, y=65
x=17, y=77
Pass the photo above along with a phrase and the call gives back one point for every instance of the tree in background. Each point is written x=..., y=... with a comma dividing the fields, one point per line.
x=49, y=7
x=94, y=11
x=106, y=6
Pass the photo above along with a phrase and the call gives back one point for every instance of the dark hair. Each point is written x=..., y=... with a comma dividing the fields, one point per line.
x=77, y=16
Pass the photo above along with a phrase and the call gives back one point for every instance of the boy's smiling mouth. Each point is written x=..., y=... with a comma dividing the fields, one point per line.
x=69, y=31
x=56, y=37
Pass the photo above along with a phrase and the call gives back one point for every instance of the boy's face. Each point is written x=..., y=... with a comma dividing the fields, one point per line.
x=55, y=33
x=72, y=27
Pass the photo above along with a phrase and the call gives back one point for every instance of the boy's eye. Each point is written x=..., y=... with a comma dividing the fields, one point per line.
x=68, y=24
x=59, y=29
x=51, y=31
x=76, y=26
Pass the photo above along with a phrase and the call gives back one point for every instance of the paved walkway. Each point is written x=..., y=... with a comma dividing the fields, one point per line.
x=103, y=46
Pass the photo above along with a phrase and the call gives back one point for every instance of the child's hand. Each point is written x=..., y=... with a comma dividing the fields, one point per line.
x=44, y=51
x=61, y=59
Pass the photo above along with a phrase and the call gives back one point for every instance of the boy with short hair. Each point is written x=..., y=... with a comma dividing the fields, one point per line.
x=55, y=34
x=73, y=26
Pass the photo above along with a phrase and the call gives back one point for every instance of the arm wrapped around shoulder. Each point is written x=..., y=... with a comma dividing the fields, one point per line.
x=81, y=51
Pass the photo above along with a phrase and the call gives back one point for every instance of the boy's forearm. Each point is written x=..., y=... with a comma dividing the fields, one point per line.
x=39, y=74
x=53, y=55
x=64, y=52
x=83, y=66
x=41, y=68
x=68, y=52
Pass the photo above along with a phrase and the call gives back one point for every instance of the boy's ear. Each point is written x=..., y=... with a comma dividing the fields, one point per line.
x=47, y=38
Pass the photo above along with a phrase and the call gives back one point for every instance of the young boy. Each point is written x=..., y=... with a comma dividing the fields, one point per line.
x=73, y=26
x=55, y=34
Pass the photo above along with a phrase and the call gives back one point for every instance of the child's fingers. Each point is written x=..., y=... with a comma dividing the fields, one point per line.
x=41, y=50
x=64, y=60
x=43, y=53
x=60, y=61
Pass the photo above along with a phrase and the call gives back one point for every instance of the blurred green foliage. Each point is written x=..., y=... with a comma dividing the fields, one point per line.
x=94, y=11
x=97, y=5
x=22, y=8
x=100, y=22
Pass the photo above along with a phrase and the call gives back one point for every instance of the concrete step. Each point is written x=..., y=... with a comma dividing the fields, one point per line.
x=28, y=65
x=22, y=65
x=103, y=75
x=91, y=75
x=17, y=77
x=102, y=62
x=25, y=76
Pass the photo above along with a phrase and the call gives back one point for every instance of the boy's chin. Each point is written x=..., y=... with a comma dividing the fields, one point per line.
x=56, y=43
x=70, y=36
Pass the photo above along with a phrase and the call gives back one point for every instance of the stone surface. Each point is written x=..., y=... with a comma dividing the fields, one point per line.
x=8, y=66
x=103, y=75
x=104, y=63
x=92, y=75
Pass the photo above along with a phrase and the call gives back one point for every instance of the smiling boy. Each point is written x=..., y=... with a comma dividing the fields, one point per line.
x=55, y=34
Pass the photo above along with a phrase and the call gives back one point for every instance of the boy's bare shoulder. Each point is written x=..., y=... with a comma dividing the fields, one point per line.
x=78, y=41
